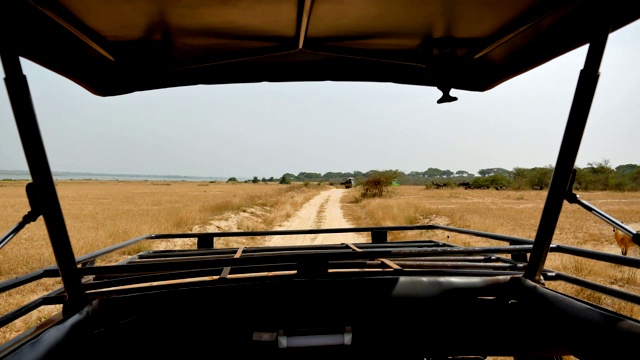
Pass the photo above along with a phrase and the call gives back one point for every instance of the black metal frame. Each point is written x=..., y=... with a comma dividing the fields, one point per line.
x=83, y=280
x=47, y=197
x=576, y=123
x=415, y=257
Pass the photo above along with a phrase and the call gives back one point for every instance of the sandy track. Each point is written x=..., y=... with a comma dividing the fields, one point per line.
x=323, y=211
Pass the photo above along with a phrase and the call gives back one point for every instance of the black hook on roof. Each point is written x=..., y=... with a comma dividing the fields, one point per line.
x=446, y=98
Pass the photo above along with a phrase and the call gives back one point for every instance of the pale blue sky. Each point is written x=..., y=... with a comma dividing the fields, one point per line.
x=270, y=129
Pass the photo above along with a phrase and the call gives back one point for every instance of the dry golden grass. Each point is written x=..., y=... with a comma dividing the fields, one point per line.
x=104, y=213
x=515, y=213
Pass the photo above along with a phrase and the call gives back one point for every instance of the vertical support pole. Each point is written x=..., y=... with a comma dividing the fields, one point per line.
x=27, y=124
x=205, y=242
x=378, y=237
x=576, y=123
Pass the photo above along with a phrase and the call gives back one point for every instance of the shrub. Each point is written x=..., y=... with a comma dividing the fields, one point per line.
x=284, y=180
x=376, y=185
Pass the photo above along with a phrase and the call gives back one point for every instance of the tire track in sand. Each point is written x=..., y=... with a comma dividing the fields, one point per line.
x=323, y=211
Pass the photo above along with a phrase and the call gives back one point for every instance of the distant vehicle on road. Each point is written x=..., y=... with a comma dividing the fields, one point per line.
x=349, y=183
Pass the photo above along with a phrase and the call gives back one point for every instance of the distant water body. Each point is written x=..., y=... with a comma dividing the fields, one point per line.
x=64, y=175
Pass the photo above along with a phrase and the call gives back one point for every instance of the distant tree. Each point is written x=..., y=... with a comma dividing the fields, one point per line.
x=309, y=176
x=519, y=178
x=462, y=173
x=491, y=171
x=255, y=180
x=271, y=179
x=627, y=168
x=634, y=179
x=289, y=176
x=540, y=177
x=433, y=173
x=264, y=180
x=332, y=175
x=232, y=179
x=602, y=174
x=284, y=180
x=447, y=173
x=584, y=179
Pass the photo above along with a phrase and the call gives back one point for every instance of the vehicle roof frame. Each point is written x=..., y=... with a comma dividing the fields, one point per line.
x=44, y=201
x=569, y=147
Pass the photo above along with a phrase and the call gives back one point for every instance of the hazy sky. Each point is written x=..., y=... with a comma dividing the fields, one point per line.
x=267, y=130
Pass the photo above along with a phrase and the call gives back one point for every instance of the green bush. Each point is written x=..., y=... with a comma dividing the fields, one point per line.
x=284, y=180
x=377, y=184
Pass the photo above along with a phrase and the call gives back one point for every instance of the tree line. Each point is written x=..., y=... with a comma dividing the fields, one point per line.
x=596, y=176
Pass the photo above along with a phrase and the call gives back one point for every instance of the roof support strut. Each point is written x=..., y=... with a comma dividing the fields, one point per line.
x=304, y=22
x=561, y=179
x=27, y=124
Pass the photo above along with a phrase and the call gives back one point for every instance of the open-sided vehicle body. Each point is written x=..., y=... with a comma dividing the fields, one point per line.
x=412, y=299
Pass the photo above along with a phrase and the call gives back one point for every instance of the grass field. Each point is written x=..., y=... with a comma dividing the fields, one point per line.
x=515, y=213
x=103, y=213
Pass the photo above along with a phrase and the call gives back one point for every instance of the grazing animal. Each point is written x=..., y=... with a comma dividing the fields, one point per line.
x=466, y=185
x=438, y=185
x=624, y=240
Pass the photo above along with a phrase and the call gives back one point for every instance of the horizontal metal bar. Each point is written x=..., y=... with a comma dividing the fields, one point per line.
x=159, y=254
x=319, y=256
x=596, y=255
x=108, y=291
x=499, y=237
x=31, y=306
x=259, y=251
x=330, y=255
x=96, y=254
x=607, y=290
x=451, y=258
x=50, y=272
x=461, y=265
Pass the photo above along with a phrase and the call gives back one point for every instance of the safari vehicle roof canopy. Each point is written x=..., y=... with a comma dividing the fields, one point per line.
x=417, y=299
x=120, y=46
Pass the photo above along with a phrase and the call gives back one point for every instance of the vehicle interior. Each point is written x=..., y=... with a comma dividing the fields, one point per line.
x=419, y=299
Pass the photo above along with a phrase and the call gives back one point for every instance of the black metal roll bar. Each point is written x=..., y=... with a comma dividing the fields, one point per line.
x=49, y=204
x=576, y=123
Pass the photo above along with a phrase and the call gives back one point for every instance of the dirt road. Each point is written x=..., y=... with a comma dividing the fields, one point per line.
x=323, y=211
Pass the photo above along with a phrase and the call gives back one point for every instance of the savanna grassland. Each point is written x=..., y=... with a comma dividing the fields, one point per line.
x=515, y=213
x=103, y=213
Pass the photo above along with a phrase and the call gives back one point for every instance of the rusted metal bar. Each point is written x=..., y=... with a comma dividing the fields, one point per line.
x=391, y=264
x=227, y=269
x=355, y=248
